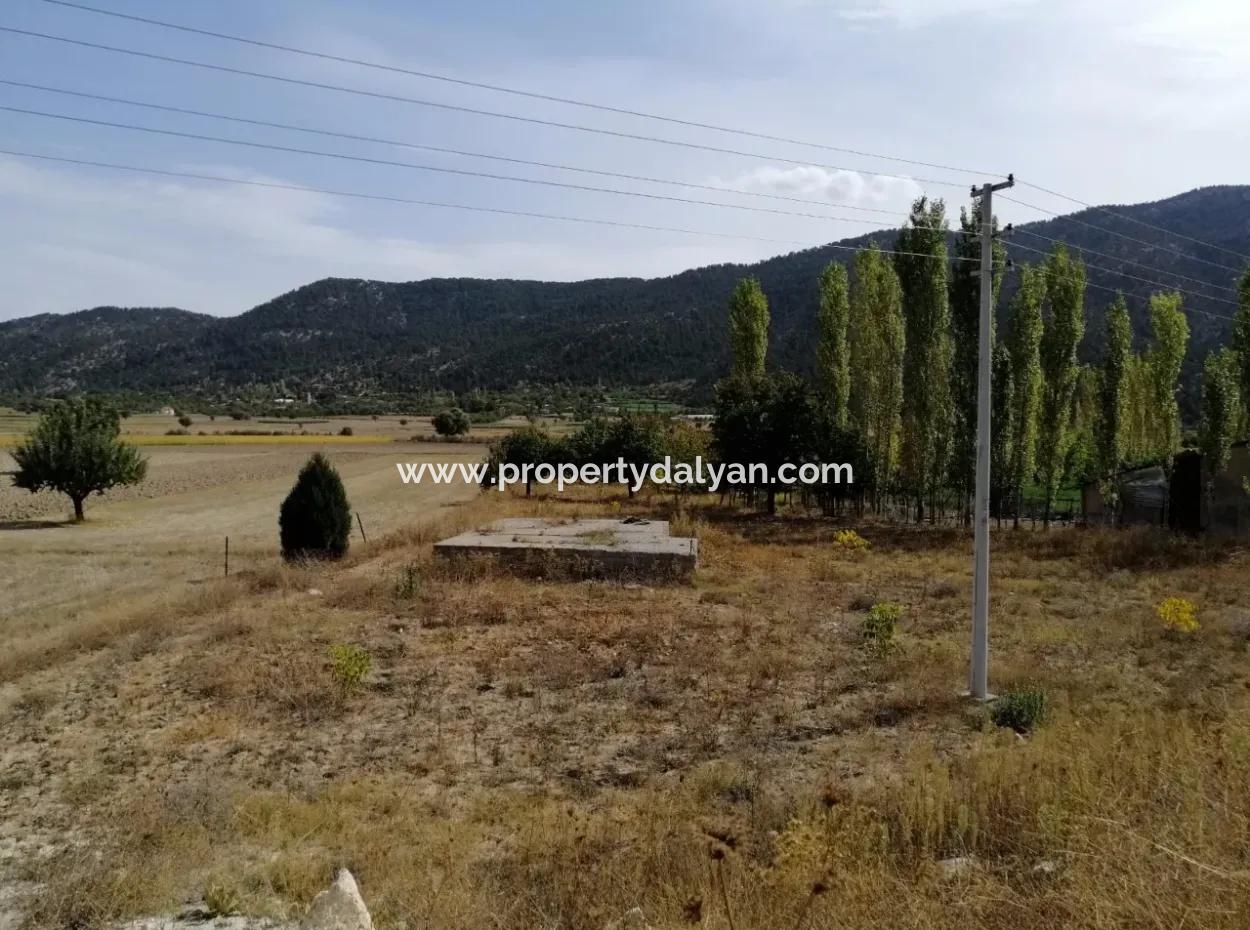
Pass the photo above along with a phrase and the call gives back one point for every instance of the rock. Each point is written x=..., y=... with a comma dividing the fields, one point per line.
x=314, y=592
x=1045, y=867
x=632, y=919
x=339, y=907
x=954, y=868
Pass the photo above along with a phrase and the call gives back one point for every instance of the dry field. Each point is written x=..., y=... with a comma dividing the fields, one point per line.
x=162, y=541
x=530, y=753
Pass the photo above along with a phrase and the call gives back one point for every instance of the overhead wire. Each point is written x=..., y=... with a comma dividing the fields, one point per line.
x=500, y=88
x=416, y=101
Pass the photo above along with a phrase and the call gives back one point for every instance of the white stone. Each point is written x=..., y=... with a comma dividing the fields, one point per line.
x=339, y=907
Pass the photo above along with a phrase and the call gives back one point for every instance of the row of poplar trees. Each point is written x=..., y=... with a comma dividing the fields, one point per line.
x=896, y=364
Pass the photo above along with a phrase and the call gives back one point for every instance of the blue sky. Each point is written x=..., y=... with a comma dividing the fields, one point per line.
x=1117, y=102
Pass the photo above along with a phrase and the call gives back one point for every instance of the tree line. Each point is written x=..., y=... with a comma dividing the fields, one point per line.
x=895, y=382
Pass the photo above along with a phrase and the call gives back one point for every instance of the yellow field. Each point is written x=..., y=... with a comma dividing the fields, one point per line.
x=222, y=439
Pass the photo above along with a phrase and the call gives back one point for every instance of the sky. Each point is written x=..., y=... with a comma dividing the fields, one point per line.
x=1116, y=102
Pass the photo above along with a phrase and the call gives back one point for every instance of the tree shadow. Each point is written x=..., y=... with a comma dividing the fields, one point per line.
x=34, y=524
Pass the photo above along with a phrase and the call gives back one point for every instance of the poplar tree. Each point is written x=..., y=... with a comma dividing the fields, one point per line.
x=832, y=347
x=1114, y=387
x=965, y=308
x=1241, y=346
x=1221, y=407
x=748, y=328
x=1003, y=411
x=1061, y=335
x=921, y=262
x=878, y=342
x=1023, y=347
x=1163, y=362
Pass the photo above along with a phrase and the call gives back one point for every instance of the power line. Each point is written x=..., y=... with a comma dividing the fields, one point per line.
x=1123, y=216
x=463, y=172
x=1029, y=248
x=1067, y=218
x=399, y=98
x=273, y=185
x=499, y=88
x=435, y=148
x=1125, y=261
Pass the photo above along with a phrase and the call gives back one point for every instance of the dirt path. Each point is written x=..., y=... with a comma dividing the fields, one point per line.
x=133, y=544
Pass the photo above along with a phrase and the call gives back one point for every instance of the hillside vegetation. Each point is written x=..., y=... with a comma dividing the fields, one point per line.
x=343, y=337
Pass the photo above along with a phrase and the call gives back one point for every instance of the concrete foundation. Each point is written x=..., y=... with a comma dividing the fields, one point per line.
x=626, y=548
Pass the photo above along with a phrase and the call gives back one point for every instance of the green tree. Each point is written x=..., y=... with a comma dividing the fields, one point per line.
x=75, y=449
x=1162, y=365
x=920, y=260
x=766, y=421
x=1221, y=408
x=1061, y=336
x=1118, y=355
x=1241, y=346
x=1023, y=346
x=965, y=308
x=529, y=445
x=315, y=521
x=832, y=342
x=878, y=343
x=1002, y=435
x=748, y=328
x=452, y=422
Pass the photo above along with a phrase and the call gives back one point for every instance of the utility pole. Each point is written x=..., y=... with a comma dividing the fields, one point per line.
x=978, y=677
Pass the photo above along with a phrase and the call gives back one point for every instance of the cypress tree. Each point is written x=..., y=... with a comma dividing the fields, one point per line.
x=315, y=520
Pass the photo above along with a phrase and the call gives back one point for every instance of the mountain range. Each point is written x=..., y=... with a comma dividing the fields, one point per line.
x=342, y=337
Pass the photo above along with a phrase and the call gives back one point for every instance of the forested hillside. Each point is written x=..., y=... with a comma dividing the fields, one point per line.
x=343, y=337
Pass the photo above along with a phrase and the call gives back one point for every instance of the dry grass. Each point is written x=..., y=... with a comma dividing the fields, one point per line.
x=530, y=753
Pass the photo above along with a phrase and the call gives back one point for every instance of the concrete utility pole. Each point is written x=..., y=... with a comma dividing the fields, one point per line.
x=978, y=677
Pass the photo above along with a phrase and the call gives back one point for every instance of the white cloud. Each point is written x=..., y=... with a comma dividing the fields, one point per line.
x=846, y=188
x=914, y=13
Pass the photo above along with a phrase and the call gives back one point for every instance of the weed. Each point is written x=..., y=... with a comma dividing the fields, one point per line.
x=849, y=539
x=1178, y=615
x=877, y=628
x=349, y=664
x=409, y=584
x=1020, y=710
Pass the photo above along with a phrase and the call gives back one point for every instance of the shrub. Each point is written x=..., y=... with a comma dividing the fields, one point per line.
x=409, y=584
x=849, y=539
x=316, y=519
x=184, y=421
x=1022, y=710
x=453, y=422
x=877, y=628
x=403, y=421
x=349, y=664
x=1177, y=615
x=346, y=431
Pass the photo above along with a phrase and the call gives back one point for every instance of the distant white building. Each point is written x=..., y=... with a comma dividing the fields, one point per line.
x=168, y=412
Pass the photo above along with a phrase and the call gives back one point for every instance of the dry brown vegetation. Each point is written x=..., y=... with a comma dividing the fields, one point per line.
x=530, y=753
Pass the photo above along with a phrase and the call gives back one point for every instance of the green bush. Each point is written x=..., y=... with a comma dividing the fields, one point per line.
x=184, y=420
x=350, y=665
x=1020, y=710
x=346, y=431
x=315, y=520
x=877, y=629
x=453, y=422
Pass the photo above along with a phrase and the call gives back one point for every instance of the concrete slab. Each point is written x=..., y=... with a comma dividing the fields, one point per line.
x=615, y=548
